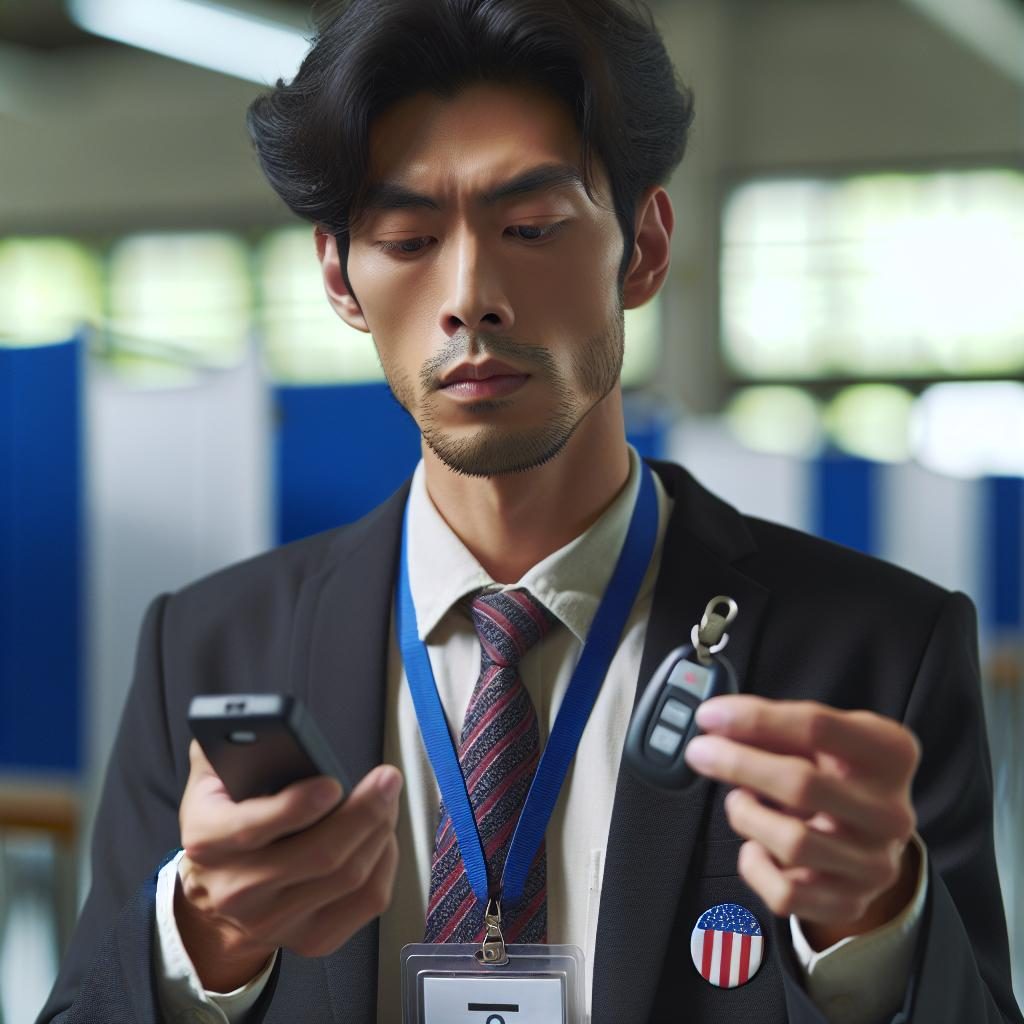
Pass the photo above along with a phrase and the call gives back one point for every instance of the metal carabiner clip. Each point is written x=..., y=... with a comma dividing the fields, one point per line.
x=710, y=636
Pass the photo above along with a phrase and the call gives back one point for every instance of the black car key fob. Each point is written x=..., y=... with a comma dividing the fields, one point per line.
x=664, y=721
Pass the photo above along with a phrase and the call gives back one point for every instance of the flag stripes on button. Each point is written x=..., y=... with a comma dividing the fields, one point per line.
x=727, y=945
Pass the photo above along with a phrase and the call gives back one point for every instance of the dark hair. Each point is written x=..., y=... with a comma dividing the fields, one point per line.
x=603, y=58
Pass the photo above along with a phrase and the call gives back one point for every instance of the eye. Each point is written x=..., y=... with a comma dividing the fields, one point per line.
x=414, y=246
x=400, y=247
x=545, y=232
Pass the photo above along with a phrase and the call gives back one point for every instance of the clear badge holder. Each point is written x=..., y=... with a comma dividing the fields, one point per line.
x=453, y=984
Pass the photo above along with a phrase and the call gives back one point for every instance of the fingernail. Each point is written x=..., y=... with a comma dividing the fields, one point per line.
x=389, y=783
x=712, y=715
x=700, y=752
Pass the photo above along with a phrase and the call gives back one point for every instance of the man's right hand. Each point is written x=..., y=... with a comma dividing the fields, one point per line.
x=275, y=872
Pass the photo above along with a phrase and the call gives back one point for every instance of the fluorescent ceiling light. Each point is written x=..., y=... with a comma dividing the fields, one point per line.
x=224, y=39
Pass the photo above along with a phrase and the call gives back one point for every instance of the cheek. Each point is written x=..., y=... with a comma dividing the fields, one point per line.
x=576, y=290
x=392, y=322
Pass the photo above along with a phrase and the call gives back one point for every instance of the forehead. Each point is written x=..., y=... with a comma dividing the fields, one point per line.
x=464, y=143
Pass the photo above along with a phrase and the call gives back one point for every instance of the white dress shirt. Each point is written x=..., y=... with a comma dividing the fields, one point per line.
x=570, y=583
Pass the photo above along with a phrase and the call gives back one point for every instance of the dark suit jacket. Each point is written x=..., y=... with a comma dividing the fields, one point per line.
x=816, y=621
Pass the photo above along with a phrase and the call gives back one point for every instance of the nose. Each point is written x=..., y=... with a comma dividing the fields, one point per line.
x=475, y=298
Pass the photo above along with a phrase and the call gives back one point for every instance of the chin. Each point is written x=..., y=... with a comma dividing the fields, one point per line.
x=494, y=452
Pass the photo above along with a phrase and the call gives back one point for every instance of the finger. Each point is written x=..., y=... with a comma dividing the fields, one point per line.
x=874, y=744
x=214, y=834
x=811, y=897
x=349, y=877
x=798, y=785
x=793, y=842
x=266, y=906
x=322, y=849
x=331, y=926
x=213, y=829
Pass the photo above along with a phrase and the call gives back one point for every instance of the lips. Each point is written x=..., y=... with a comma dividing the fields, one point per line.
x=471, y=372
x=482, y=382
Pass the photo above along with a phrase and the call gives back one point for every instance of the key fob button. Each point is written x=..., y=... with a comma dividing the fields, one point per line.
x=676, y=714
x=693, y=678
x=665, y=741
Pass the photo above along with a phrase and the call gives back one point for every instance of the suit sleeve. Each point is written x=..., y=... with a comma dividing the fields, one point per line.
x=963, y=960
x=961, y=965
x=107, y=972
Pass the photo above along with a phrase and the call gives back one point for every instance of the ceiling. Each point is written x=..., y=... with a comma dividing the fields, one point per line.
x=36, y=27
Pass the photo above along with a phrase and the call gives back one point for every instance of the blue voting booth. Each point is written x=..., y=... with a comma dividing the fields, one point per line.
x=1002, y=554
x=845, y=501
x=849, y=507
x=41, y=558
x=339, y=451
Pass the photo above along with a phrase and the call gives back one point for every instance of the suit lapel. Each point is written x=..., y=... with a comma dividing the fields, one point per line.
x=653, y=833
x=339, y=667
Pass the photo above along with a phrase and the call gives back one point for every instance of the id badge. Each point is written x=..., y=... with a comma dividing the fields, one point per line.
x=449, y=984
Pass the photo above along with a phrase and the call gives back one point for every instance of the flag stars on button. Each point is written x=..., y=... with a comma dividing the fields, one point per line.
x=727, y=945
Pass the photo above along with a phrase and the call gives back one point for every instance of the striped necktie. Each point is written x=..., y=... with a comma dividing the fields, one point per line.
x=498, y=752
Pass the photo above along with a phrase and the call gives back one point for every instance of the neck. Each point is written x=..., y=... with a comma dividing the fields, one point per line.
x=510, y=523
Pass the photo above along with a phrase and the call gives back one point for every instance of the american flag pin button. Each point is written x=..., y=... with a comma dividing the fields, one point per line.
x=727, y=945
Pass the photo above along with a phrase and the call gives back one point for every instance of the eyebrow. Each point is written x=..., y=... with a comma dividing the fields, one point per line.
x=389, y=195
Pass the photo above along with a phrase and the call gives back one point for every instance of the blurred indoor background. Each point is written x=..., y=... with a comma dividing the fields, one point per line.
x=839, y=346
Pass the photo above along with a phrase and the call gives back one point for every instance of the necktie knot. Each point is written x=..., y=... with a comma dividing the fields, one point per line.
x=509, y=623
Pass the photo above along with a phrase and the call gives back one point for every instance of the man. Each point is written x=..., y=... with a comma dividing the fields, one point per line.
x=844, y=801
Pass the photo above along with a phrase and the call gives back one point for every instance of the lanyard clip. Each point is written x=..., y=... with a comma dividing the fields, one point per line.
x=492, y=952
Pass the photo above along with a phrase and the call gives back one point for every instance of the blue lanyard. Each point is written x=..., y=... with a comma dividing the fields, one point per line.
x=598, y=651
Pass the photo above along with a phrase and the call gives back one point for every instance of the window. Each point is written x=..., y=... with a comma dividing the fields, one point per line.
x=177, y=302
x=875, y=276
x=49, y=287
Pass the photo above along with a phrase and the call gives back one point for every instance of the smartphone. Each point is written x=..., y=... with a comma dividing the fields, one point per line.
x=258, y=743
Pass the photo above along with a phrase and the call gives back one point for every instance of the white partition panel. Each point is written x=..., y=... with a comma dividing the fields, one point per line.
x=179, y=486
x=769, y=486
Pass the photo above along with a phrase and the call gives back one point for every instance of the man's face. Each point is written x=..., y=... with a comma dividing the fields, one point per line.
x=497, y=318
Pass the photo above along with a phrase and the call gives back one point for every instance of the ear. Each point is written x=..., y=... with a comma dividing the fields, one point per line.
x=341, y=299
x=652, y=251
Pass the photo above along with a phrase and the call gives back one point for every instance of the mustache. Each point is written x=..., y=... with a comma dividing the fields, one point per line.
x=461, y=346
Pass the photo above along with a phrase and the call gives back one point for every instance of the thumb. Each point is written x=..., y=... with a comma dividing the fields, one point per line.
x=198, y=761
x=201, y=773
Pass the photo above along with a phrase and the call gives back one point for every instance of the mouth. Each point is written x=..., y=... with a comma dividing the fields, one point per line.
x=487, y=370
x=478, y=381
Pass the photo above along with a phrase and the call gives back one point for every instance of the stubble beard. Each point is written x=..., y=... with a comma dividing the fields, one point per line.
x=500, y=451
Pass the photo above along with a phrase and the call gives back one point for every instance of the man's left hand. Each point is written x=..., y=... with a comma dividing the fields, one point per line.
x=823, y=799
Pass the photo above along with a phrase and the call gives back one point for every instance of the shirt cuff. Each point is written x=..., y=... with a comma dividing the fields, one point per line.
x=183, y=1000
x=862, y=978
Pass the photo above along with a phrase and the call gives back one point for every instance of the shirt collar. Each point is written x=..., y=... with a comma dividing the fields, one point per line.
x=570, y=582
